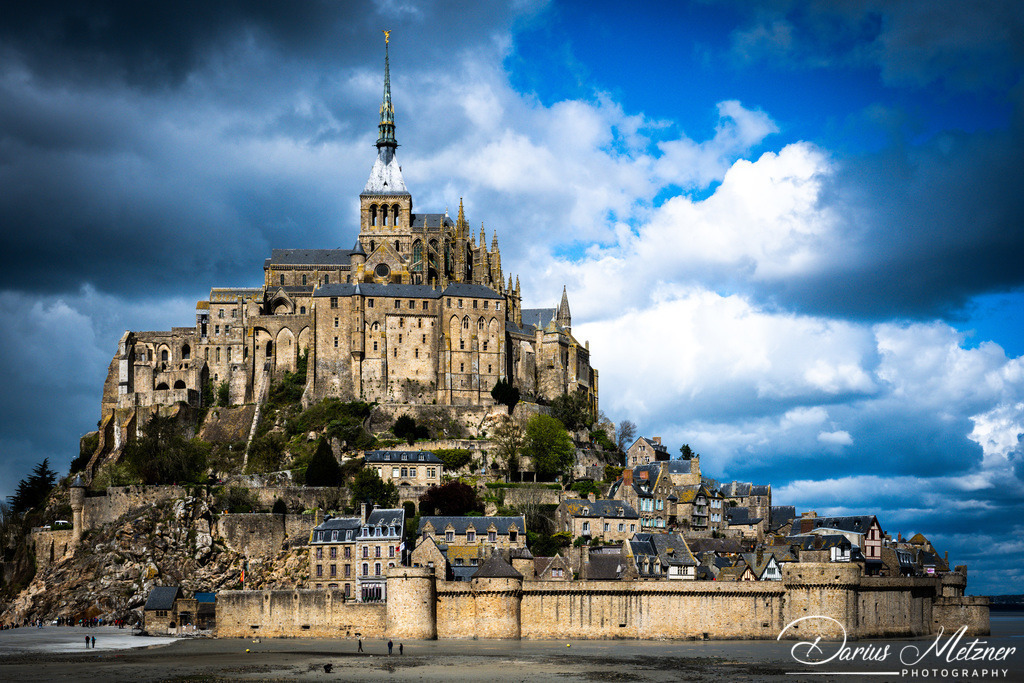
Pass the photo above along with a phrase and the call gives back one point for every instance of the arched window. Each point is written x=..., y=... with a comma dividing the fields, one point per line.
x=163, y=354
x=302, y=310
x=465, y=323
x=395, y=214
x=384, y=215
x=373, y=217
x=162, y=386
x=417, y=256
x=398, y=247
x=186, y=352
x=270, y=349
x=179, y=384
x=373, y=246
x=480, y=324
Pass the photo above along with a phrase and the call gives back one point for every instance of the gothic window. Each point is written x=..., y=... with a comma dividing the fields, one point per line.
x=480, y=322
x=218, y=354
x=465, y=322
x=206, y=353
x=417, y=256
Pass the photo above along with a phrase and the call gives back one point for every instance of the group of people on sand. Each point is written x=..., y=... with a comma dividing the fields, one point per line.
x=391, y=647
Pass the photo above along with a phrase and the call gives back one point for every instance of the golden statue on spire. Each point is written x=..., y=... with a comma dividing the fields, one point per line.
x=387, y=35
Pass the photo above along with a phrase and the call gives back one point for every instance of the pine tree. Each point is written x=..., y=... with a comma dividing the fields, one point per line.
x=323, y=469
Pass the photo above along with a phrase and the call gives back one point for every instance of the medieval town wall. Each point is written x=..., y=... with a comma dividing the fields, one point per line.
x=419, y=606
x=314, y=614
x=49, y=546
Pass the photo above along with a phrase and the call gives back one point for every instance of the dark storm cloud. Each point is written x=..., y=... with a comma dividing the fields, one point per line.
x=927, y=228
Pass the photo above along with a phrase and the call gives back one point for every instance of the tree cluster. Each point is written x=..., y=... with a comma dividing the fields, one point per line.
x=163, y=456
x=504, y=393
x=549, y=445
x=323, y=469
x=453, y=499
x=573, y=410
x=33, y=489
x=368, y=488
x=405, y=428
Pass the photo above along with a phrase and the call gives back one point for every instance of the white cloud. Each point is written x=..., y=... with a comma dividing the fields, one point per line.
x=836, y=438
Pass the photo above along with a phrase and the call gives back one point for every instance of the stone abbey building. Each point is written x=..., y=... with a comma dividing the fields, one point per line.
x=417, y=311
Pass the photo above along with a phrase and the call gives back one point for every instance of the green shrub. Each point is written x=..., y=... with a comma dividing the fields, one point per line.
x=453, y=458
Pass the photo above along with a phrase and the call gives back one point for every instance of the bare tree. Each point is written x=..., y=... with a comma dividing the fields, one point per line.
x=510, y=437
x=627, y=433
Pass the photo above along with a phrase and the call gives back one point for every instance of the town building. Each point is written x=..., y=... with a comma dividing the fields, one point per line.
x=353, y=554
x=644, y=451
x=406, y=468
x=662, y=556
x=864, y=532
x=609, y=521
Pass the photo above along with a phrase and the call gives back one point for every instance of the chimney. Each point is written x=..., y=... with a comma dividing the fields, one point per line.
x=657, y=440
x=362, y=513
x=592, y=497
x=947, y=558
x=585, y=561
x=627, y=477
x=810, y=514
x=899, y=537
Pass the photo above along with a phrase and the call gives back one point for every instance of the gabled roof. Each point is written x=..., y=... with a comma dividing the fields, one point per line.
x=669, y=548
x=599, y=508
x=321, y=533
x=163, y=597
x=496, y=568
x=654, y=444
x=733, y=573
x=605, y=567
x=758, y=567
x=502, y=525
x=403, y=457
x=310, y=257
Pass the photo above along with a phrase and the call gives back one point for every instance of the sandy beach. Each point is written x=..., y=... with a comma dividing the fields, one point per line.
x=49, y=654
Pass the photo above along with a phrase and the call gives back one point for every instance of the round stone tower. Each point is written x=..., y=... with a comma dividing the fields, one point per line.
x=497, y=593
x=77, y=509
x=411, y=603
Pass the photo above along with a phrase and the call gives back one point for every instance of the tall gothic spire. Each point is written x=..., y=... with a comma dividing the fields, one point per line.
x=386, y=174
x=387, y=110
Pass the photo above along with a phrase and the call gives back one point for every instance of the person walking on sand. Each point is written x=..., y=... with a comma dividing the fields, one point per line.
x=87, y=642
x=401, y=649
x=94, y=642
x=360, y=645
x=390, y=645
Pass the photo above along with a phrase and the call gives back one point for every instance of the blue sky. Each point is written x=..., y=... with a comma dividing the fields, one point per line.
x=791, y=232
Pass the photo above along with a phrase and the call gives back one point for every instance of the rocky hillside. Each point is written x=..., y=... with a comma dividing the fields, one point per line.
x=172, y=543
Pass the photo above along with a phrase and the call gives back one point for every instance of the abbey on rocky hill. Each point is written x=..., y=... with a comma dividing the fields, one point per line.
x=418, y=311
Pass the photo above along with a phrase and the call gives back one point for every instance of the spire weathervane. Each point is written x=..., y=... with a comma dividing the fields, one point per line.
x=387, y=34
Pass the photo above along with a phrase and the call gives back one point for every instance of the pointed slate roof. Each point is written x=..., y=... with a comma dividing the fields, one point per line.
x=496, y=568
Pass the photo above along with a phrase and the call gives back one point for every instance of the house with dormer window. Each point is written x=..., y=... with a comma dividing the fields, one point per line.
x=610, y=521
x=406, y=468
x=493, y=532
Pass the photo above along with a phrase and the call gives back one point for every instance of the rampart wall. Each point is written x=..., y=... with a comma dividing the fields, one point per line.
x=419, y=605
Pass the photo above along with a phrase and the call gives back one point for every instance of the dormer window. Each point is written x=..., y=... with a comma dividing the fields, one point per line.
x=586, y=511
x=449, y=537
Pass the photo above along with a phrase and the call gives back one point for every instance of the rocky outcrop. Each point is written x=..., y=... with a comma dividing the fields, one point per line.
x=174, y=542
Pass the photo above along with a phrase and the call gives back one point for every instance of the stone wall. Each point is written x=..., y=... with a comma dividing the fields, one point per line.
x=420, y=606
x=104, y=509
x=315, y=614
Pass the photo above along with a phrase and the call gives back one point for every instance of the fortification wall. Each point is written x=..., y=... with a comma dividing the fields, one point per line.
x=651, y=609
x=255, y=535
x=314, y=614
x=420, y=606
x=952, y=613
x=100, y=510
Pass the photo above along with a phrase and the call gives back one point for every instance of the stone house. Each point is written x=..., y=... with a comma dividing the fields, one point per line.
x=756, y=497
x=429, y=553
x=610, y=521
x=645, y=451
x=492, y=532
x=696, y=508
x=406, y=468
x=741, y=524
x=333, y=554
x=662, y=556
x=159, y=614
x=354, y=553
x=648, y=489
